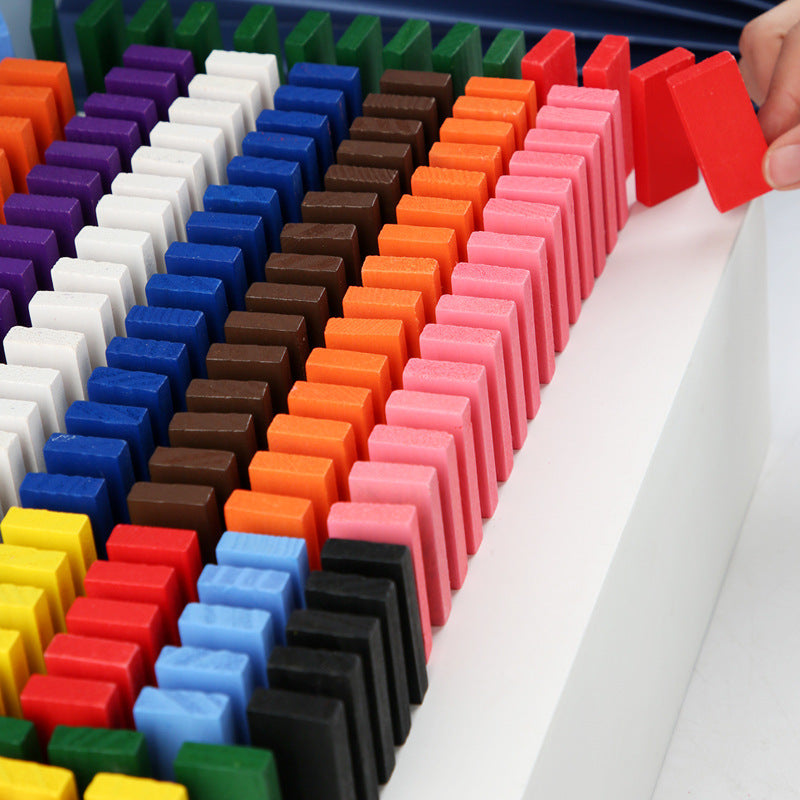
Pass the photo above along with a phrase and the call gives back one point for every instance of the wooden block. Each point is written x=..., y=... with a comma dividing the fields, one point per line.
x=497, y=109
x=406, y=272
x=472, y=131
x=18, y=141
x=453, y=184
x=485, y=158
x=14, y=670
x=50, y=74
x=411, y=241
x=506, y=89
x=551, y=61
x=38, y=104
x=25, y=609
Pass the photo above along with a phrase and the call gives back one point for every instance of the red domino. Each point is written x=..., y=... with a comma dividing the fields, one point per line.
x=665, y=164
x=170, y=547
x=723, y=129
x=551, y=61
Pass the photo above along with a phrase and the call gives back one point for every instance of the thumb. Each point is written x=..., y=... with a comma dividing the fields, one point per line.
x=781, y=164
x=781, y=110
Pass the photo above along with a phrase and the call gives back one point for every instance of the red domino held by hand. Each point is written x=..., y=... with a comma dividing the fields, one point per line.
x=550, y=61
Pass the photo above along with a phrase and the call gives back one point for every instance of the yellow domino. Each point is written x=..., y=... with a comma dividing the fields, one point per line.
x=24, y=609
x=47, y=569
x=25, y=780
x=14, y=672
x=105, y=786
x=53, y=530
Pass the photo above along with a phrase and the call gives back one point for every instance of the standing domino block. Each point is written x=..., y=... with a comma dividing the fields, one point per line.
x=259, y=67
x=53, y=75
x=24, y=609
x=288, y=147
x=551, y=61
x=411, y=241
x=245, y=92
x=25, y=776
x=328, y=76
x=165, y=59
x=12, y=469
x=207, y=140
x=142, y=110
x=38, y=245
x=86, y=186
x=17, y=140
x=258, y=200
x=101, y=158
x=43, y=386
x=22, y=417
x=211, y=261
x=285, y=177
x=506, y=89
x=8, y=318
x=301, y=123
x=109, y=786
x=329, y=102
x=194, y=293
x=160, y=87
x=226, y=116
x=120, y=133
x=18, y=736
x=168, y=162
x=18, y=278
x=173, y=190
x=62, y=215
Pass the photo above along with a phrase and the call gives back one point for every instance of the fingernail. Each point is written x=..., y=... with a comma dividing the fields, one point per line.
x=782, y=169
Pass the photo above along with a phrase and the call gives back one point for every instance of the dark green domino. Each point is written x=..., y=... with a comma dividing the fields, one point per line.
x=411, y=47
x=152, y=24
x=87, y=751
x=102, y=38
x=199, y=32
x=504, y=57
x=211, y=771
x=18, y=739
x=45, y=31
x=258, y=33
x=460, y=53
x=361, y=46
x=311, y=40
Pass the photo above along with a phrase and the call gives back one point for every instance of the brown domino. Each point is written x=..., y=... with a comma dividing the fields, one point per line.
x=395, y=131
x=384, y=182
x=401, y=106
x=325, y=240
x=362, y=209
x=310, y=302
x=438, y=85
x=310, y=270
x=380, y=155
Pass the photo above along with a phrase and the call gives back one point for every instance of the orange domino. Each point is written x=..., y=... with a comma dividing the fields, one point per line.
x=418, y=241
x=326, y=438
x=490, y=108
x=274, y=514
x=38, y=104
x=17, y=139
x=366, y=302
x=478, y=131
x=48, y=74
x=439, y=212
x=349, y=368
x=453, y=184
x=311, y=477
x=6, y=183
x=505, y=89
x=351, y=404
x=485, y=158
x=385, y=336
x=399, y=272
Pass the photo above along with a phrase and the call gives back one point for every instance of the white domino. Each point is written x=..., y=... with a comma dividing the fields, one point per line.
x=97, y=277
x=134, y=249
x=22, y=417
x=245, y=92
x=207, y=140
x=174, y=190
x=140, y=214
x=168, y=162
x=259, y=67
x=227, y=116
x=41, y=385
x=12, y=470
x=65, y=351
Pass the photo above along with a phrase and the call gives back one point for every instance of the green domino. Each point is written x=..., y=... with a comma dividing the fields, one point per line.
x=411, y=47
x=258, y=33
x=45, y=31
x=504, y=57
x=211, y=771
x=361, y=46
x=102, y=38
x=311, y=40
x=460, y=53
x=87, y=751
x=152, y=24
x=199, y=32
x=18, y=739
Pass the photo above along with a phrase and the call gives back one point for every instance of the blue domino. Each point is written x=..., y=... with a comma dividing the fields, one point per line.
x=302, y=149
x=329, y=102
x=94, y=457
x=74, y=494
x=131, y=423
x=172, y=325
x=243, y=630
x=301, y=124
x=329, y=76
x=193, y=292
x=282, y=176
x=246, y=587
x=170, y=717
x=262, y=551
x=220, y=671
x=259, y=200
x=124, y=387
x=211, y=261
x=149, y=355
x=245, y=231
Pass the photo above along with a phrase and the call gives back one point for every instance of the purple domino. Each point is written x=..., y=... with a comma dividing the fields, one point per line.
x=100, y=158
x=161, y=87
x=164, y=59
x=84, y=185
x=18, y=278
x=60, y=214
x=8, y=319
x=38, y=245
x=120, y=133
x=142, y=110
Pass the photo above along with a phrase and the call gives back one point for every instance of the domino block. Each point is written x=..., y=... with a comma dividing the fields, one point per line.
x=408, y=241
x=52, y=783
x=460, y=53
x=301, y=123
x=18, y=141
x=49, y=74
x=284, y=177
x=173, y=190
x=152, y=24
x=211, y=261
x=22, y=417
x=25, y=609
x=168, y=162
x=142, y=110
x=199, y=32
x=107, y=786
x=361, y=45
x=246, y=93
x=411, y=47
x=38, y=245
x=101, y=39
x=227, y=116
x=43, y=386
x=345, y=79
x=551, y=61
x=17, y=741
x=13, y=469
x=164, y=59
x=327, y=102
x=208, y=140
x=259, y=200
x=18, y=738
x=302, y=149
x=86, y=186
x=36, y=103
x=311, y=40
x=160, y=87
x=101, y=158
x=62, y=215
x=261, y=67
x=120, y=133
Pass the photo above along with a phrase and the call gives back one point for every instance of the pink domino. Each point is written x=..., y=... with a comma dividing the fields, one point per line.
x=418, y=486
x=540, y=140
x=499, y=316
x=463, y=380
x=390, y=524
x=437, y=449
x=504, y=283
x=601, y=100
x=526, y=163
x=451, y=414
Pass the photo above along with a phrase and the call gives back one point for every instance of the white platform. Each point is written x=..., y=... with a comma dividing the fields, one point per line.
x=563, y=666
